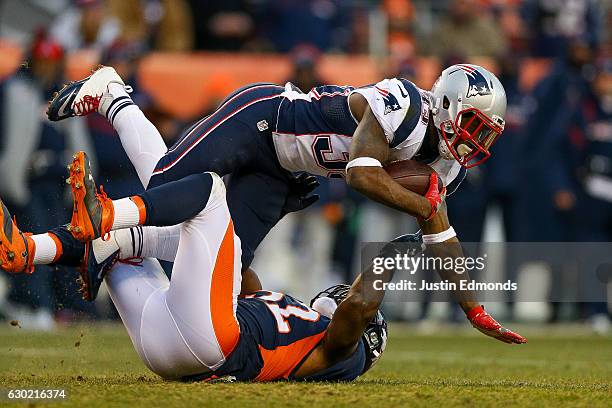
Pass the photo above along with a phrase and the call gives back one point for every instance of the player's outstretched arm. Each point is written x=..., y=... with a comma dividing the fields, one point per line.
x=349, y=322
x=369, y=141
x=475, y=313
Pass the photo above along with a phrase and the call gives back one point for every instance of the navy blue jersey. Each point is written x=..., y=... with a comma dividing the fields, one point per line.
x=313, y=131
x=277, y=332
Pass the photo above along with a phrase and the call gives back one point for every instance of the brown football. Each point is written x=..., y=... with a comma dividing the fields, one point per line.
x=411, y=175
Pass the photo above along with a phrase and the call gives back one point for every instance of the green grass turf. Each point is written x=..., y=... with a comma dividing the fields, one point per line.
x=98, y=367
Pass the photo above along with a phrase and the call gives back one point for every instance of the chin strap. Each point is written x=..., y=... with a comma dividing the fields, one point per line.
x=445, y=152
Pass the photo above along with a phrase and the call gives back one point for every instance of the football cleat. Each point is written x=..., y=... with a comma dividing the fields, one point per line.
x=16, y=248
x=80, y=98
x=92, y=272
x=93, y=212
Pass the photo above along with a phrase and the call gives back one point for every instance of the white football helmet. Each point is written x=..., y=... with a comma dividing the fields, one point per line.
x=469, y=105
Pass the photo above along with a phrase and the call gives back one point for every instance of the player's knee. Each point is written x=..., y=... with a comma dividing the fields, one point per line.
x=217, y=190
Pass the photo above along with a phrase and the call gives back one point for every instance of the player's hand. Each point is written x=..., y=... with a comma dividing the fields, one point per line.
x=434, y=196
x=486, y=324
x=299, y=189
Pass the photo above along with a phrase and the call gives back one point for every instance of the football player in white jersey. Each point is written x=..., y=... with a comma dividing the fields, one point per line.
x=263, y=133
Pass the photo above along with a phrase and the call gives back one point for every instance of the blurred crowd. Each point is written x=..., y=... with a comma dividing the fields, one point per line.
x=549, y=179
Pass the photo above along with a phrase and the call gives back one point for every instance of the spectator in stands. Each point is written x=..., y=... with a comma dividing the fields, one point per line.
x=86, y=24
x=547, y=203
x=553, y=23
x=582, y=155
x=222, y=24
x=323, y=23
x=400, y=17
x=32, y=165
x=165, y=25
x=466, y=32
x=305, y=73
x=550, y=188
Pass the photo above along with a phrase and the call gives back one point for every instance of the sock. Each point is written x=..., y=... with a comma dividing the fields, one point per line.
x=72, y=250
x=145, y=242
x=48, y=248
x=141, y=141
x=117, y=90
x=129, y=212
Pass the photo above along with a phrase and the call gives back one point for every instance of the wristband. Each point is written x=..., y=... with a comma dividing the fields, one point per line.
x=363, y=162
x=439, y=237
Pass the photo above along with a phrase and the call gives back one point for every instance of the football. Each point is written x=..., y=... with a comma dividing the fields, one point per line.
x=411, y=175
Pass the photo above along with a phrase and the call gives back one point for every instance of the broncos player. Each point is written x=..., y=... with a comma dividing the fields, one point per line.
x=196, y=326
x=264, y=132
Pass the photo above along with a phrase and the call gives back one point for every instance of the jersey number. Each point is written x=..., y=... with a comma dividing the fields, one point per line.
x=282, y=314
x=328, y=159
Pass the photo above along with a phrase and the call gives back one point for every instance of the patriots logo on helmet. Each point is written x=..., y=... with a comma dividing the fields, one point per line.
x=477, y=83
x=391, y=103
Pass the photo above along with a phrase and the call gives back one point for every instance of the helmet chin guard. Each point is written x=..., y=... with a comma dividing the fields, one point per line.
x=472, y=135
x=469, y=104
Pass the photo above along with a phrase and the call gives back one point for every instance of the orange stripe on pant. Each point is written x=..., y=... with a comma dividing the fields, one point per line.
x=224, y=320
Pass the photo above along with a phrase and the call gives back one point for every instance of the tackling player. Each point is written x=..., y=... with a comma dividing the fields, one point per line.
x=196, y=326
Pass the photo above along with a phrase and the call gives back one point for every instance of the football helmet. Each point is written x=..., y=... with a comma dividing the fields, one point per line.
x=468, y=109
x=375, y=334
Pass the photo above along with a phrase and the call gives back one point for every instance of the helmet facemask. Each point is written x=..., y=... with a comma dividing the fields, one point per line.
x=469, y=104
x=470, y=136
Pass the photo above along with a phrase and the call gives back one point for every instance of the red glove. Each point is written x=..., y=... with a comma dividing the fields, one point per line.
x=483, y=321
x=434, y=197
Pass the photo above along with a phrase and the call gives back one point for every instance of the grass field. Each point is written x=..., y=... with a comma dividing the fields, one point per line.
x=98, y=367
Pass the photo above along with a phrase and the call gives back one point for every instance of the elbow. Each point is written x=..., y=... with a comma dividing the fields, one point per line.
x=357, y=177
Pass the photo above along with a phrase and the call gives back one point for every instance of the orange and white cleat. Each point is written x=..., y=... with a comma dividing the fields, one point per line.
x=93, y=212
x=16, y=247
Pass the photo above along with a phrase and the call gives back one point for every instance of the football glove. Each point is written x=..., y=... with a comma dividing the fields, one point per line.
x=486, y=324
x=299, y=189
x=435, y=197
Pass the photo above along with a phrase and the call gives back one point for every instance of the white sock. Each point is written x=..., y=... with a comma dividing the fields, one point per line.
x=148, y=242
x=161, y=242
x=117, y=90
x=45, y=249
x=140, y=139
x=126, y=214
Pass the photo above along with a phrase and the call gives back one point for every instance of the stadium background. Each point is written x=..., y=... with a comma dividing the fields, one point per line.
x=182, y=57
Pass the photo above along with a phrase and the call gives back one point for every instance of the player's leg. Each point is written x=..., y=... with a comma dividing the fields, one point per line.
x=206, y=281
x=235, y=137
x=105, y=92
x=130, y=288
x=255, y=201
x=221, y=142
x=139, y=294
x=196, y=312
x=140, y=139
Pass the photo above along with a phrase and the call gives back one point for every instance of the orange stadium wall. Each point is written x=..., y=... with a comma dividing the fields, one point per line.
x=182, y=84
